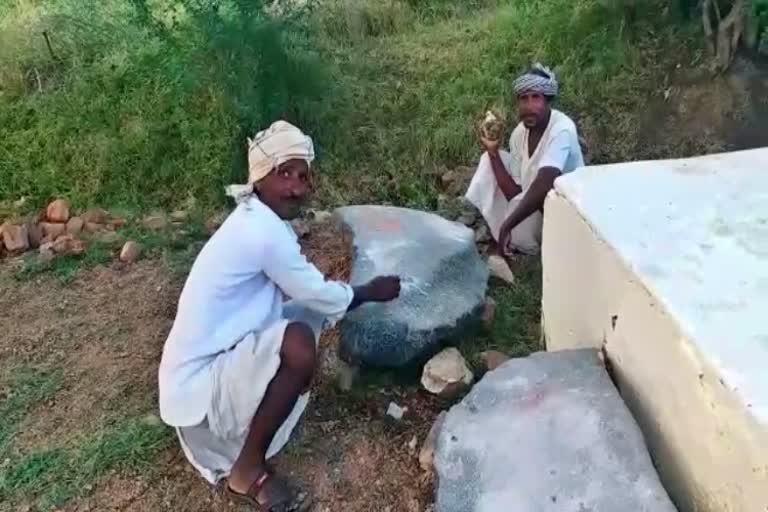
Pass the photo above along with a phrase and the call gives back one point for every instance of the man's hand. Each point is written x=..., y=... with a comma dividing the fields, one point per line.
x=504, y=233
x=379, y=289
x=383, y=289
x=491, y=146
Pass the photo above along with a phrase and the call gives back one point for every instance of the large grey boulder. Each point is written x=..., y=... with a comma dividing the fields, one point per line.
x=545, y=433
x=444, y=282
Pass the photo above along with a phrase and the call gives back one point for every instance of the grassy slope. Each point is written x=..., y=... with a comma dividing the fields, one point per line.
x=134, y=118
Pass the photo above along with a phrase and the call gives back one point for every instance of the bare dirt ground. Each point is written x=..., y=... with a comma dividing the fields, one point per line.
x=105, y=331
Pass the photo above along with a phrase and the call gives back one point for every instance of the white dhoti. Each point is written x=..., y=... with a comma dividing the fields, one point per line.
x=240, y=378
x=486, y=195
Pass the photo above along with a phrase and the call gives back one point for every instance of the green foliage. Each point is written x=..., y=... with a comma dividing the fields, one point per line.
x=55, y=475
x=143, y=103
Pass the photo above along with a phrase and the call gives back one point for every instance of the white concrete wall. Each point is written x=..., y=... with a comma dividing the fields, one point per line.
x=665, y=264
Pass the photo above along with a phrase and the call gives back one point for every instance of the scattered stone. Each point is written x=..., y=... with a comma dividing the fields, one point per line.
x=447, y=373
x=320, y=216
x=155, y=221
x=489, y=311
x=95, y=216
x=441, y=294
x=45, y=252
x=130, y=252
x=110, y=238
x=483, y=234
x=67, y=244
x=75, y=225
x=34, y=235
x=538, y=433
x=499, y=269
x=427, y=452
x=395, y=411
x=346, y=375
x=493, y=359
x=300, y=227
x=57, y=211
x=116, y=223
x=448, y=178
x=179, y=216
x=52, y=230
x=413, y=443
x=15, y=237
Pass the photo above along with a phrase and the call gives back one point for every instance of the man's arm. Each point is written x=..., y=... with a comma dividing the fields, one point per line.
x=380, y=289
x=507, y=185
x=552, y=163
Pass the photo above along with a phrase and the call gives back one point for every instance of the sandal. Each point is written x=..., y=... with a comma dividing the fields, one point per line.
x=270, y=493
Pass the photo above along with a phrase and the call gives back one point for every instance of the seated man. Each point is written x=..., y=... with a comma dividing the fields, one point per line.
x=238, y=362
x=509, y=188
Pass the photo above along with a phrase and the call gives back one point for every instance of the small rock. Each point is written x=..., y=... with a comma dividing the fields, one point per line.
x=346, y=375
x=34, y=234
x=67, y=244
x=116, y=223
x=489, y=311
x=395, y=411
x=483, y=235
x=130, y=252
x=52, y=230
x=427, y=452
x=413, y=443
x=493, y=359
x=95, y=216
x=448, y=178
x=153, y=420
x=447, y=373
x=155, y=221
x=320, y=216
x=15, y=237
x=57, y=211
x=75, y=225
x=111, y=238
x=92, y=227
x=179, y=216
x=499, y=269
x=45, y=253
x=300, y=227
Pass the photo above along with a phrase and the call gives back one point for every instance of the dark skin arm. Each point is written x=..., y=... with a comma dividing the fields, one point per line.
x=507, y=185
x=379, y=289
x=532, y=201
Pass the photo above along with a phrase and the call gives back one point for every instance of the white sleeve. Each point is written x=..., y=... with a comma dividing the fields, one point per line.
x=557, y=151
x=302, y=281
x=515, y=151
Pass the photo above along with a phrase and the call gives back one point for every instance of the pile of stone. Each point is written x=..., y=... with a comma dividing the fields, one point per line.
x=58, y=231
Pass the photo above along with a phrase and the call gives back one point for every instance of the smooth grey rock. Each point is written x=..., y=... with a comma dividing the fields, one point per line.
x=444, y=281
x=545, y=433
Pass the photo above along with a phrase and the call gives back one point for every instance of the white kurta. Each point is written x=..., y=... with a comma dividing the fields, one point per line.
x=559, y=148
x=224, y=346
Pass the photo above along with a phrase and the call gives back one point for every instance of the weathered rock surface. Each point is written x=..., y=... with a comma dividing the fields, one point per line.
x=130, y=252
x=58, y=211
x=444, y=281
x=427, y=452
x=52, y=230
x=75, y=226
x=156, y=221
x=447, y=373
x=95, y=216
x=546, y=433
x=15, y=237
x=499, y=269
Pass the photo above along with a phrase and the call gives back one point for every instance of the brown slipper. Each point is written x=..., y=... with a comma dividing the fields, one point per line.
x=269, y=493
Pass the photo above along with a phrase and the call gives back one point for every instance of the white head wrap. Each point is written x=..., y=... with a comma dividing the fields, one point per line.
x=271, y=148
x=530, y=82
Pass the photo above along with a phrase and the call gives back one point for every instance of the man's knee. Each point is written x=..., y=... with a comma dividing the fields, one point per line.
x=298, y=350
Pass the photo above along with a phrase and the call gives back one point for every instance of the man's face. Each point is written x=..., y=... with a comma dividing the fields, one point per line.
x=532, y=109
x=286, y=189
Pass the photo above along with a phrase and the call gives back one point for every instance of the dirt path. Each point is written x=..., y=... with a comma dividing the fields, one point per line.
x=102, y=336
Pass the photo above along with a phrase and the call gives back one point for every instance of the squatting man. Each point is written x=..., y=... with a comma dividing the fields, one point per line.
x=238, y=362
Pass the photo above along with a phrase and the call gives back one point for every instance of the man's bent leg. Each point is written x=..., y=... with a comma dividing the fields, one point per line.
x=297, y=366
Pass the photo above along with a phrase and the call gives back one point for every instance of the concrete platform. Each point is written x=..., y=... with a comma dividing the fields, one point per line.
x=665, y=264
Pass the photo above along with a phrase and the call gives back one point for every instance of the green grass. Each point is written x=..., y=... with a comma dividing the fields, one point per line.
x=144, y=108
x=53, y=476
